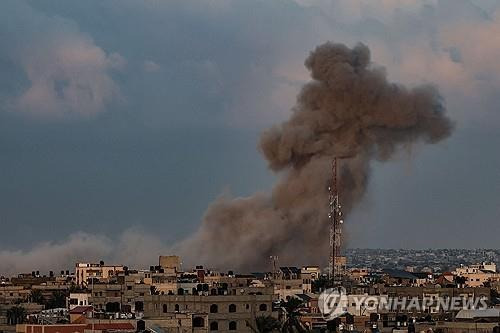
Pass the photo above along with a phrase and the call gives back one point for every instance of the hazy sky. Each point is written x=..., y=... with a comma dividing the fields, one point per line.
x=121, y=121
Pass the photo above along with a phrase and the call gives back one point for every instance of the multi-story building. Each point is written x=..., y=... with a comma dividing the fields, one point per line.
x=10, y=294
x=288, y=282
x=477, y=275
x=77, y=300
x=127, y=296
x=100, y=272
x=214, y=313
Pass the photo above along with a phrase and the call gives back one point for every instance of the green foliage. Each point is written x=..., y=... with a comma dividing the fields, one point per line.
x=16, y=315
x=36, y=296
x=292, y=322
x=58, y=300
x=266, y=324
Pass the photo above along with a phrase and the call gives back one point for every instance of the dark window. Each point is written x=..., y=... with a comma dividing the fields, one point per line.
x=214, y=326
x=263, y=307
x=214, y=308
x=232, y=326
x=165, y=308
x=139, y=306
x=232, y=308
x=177, y=308
x=198, y=322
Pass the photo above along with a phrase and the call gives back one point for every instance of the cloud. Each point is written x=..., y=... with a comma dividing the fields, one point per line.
x=133, y=247
x=151, y=66
x=66, y=72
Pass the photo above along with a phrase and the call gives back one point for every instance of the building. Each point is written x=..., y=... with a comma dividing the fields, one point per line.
x=170, y=262
x=477, y=275
x=10, y=294
x=126, y=297
x=85, y=272
x=78, y=299
x=219, y=312
x=288, y=282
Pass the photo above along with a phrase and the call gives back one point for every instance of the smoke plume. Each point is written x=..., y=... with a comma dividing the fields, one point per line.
x=349, y=110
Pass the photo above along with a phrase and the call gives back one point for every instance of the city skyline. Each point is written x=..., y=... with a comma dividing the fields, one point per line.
x=121, y=125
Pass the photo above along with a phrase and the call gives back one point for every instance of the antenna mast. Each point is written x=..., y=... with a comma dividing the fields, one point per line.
x=335, y=272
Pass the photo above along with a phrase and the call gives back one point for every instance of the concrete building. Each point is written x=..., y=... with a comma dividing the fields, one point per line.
x=213, y=313
x=10, y=294
x=288, y=282
x=100, y=272
x=78, y=299
x=127, y=297
x=170, y=262
x=477, y=275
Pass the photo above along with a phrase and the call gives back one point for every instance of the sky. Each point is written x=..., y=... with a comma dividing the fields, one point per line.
x=121, y=121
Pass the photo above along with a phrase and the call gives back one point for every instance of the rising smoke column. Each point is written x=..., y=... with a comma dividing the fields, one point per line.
x=348, y=110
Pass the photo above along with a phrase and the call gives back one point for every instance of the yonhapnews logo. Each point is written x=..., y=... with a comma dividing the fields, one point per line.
x=335, y=302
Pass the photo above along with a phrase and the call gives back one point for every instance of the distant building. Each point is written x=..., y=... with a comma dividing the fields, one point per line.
x=170, y=262
x=78, y=299
x=85, y=272
x=477, y=275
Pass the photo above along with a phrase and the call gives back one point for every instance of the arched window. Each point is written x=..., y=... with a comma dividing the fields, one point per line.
x=214, y=308
x=165, y=309
x=213, y=292
x=214, y=326
x=263, y=307
x=198, y=322
x=232, y=308
x=232, y=326
x=177, y=308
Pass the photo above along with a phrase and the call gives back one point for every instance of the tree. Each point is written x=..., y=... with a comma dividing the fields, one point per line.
x=36, y=296
x=58, y=300
x=320, y=284
x=16, y=315
x=292, y=323
x=266, y=324
x=154, y=291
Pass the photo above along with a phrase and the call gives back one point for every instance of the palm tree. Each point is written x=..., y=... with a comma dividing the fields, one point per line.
x=266, y=324
x=16, y=315
x=36, y=296
x=58, y=300
x=292, y=323
x=154, y=291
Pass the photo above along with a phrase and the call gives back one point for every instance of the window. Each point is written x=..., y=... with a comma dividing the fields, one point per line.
x=214, y=308
x=263, y=307
x=165, y=308
x=232, y=326
x=232, y=308
x=177, y=308
x=198, y=322
x=139, y=306
x=214, y=326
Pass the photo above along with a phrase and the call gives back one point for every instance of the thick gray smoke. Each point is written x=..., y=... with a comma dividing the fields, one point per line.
x=348, y=110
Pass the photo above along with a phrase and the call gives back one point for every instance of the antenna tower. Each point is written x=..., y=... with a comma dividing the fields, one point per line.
x=335, y=216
